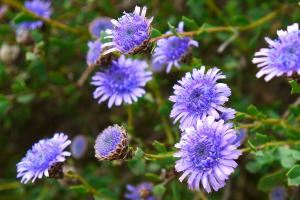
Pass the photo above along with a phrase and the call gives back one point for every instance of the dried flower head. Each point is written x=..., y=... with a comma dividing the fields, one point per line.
x=43, y=157
x=131, y=32
x=171, y=51
x=112, y=143
x=282, y=56
x=207, y=153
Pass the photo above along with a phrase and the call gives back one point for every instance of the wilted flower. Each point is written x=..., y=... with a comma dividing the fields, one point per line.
x=94, y=53
x=278, y=193
x=9, y=53
x=131, y=32
x=112, y=143
x=142, y=191
x=44, y=158
x=170, y=51
x=282, y=56
x=79, y=146
x=100, y=24
x=40, y=8
x=123, y=81
x=198, y=95
x=207, y=154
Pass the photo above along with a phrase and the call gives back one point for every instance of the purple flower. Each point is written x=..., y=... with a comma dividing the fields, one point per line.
x=282, y=56
x=123, y=81
x=142, y=191
x=100, y=24
x=112, y=143
x=40, y=8
x=207, y=154
x=170, y=51
x=278, y=193
x=79, y=146
x=227, y=114
x=131, y=32
x=94, y=53
x=42, y=156
x=198, y=95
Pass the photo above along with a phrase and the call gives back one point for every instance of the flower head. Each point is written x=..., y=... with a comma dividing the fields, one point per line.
x=94, y=53
x=207, y=154
x=100, y=24
x=282, y=56
x=170, y=51
x=142, y=191
x=112, y=143
x=198, y=95
x=131, y=32
x=123, y=81
x=40, y=8
x=227, y=114
x=79, y=146
x=42, y=157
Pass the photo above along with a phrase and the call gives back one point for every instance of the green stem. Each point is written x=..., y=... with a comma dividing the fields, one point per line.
x=51, y=22
x=9, y=186
x=158, y=156
x=130, y=119
x=159, y=100
x=88, y=187
x=269, y=144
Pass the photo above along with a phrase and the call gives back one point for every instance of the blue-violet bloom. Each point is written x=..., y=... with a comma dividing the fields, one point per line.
x=142, y=191
x=94, y=53
x=282, y=56
x=170, y=51
x=40, y=8
x=207, y=154
x=79, y=146
x=131, y=32
x=198, y=95
x=98, y=25
x=122, y=81
x=111, y=143
x=42, y=156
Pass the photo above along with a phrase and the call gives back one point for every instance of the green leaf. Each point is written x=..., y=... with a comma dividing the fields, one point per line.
x=4, y=105
x=271, y=180
x=160, y=147
x=22, y=17
x=294, y=176
x=189, y=23
x=173, y=29
x=159, y=190
x=253, y=110
x=287, y=162
x=259, y=139
x=155, y=33
x=295, y=87
x=78, y=188
x=26, y=98
x=252, y=146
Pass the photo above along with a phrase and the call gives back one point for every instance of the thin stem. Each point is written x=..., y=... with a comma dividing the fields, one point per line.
x=89, y=188
x=269, y=144
x=158, y=156
x=9, y=186
x=159, y=100
x=51, y=22
x=130, y=119
x=84, y=76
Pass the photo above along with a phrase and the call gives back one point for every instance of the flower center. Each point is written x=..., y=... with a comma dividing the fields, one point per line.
x=108, y=142
x=176, y=48
x=289, y=57
x=144, y=193
x=200, y=98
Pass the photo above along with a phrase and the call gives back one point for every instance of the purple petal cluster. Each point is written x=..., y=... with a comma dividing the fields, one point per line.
x=282, y=56
x=142, y=191
x=94, y=53
x=40, y=8
x=123, y=81
x=207, y=154
x=42, y=156
x=111, y=144
x=79, y=146
x=130, y=32
x=198, y=95
x=170, y=51
x=100, y=24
